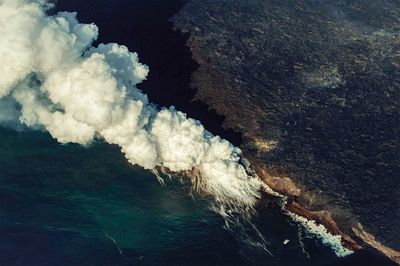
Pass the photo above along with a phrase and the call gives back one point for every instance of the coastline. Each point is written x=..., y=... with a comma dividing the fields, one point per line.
x=196, y=101
x=217, y=86
x=356, y=240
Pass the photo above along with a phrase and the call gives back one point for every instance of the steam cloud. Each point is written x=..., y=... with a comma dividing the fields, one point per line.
x=51, y=77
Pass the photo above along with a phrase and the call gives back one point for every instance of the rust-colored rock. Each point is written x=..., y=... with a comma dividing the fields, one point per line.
x=315, y=97
x=325, y=218
x=370, y=240
x=283, y=185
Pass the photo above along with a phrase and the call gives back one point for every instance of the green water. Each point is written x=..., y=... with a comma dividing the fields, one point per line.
x=79, y=198
x=70, y=205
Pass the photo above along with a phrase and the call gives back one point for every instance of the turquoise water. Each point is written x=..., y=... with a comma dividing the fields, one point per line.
x=69, y=205
x=67, y=196
x=73, y=205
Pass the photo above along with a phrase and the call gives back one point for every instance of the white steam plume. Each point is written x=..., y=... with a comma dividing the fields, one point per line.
x=79, y=93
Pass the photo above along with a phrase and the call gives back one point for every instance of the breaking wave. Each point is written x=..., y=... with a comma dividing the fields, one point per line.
x=319, y=231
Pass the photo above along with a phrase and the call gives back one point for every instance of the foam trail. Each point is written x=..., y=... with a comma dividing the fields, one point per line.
x=79, y=93
x=318, y=230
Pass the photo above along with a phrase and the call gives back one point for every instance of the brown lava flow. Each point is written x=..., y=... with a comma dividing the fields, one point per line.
x=314, y=88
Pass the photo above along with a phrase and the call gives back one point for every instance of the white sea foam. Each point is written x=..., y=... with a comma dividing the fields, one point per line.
x=319, y=231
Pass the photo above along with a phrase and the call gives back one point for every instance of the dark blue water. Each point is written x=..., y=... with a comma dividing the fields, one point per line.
x=66, y=205
x=69, y=205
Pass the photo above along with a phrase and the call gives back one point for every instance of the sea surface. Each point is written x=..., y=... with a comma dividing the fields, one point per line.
x=73, y=205
x=70, y=205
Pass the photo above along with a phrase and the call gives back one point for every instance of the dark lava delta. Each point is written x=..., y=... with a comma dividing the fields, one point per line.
x=314, y=89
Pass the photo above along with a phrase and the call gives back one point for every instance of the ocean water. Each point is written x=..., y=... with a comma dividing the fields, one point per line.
x=69, y=205
x=73, y=205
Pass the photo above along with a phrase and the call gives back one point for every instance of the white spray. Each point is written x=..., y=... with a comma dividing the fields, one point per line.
x=319, y=231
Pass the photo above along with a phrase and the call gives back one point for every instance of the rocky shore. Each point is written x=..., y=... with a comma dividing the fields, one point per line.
x=313, y=88
x=354, y=240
